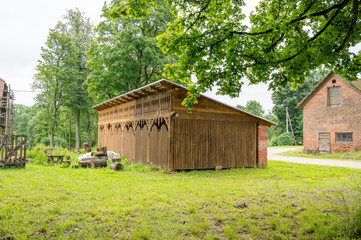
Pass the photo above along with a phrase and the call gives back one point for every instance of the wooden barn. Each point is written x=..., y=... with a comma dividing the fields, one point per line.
x=150, y=125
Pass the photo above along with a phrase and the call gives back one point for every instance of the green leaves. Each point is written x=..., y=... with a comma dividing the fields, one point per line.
x=125, y=55
x=253, y=107
x=284, y=42
x=290, y=97
x=62, y=71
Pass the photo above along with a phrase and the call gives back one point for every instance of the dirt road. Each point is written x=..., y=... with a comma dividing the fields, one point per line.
x=272, y=155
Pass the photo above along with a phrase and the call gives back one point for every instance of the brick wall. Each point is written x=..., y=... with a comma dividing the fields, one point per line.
x=262, y=146
x=319, y=117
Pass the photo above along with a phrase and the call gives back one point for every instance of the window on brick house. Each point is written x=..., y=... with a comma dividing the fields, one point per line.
x=334, y=96
x=344, y=137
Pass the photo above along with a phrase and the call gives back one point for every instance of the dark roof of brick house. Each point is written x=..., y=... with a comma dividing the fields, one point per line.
x=356, y=85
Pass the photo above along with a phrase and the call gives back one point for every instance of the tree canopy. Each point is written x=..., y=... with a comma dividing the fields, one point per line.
x=290, y=97
x=285, y=41
x=62, y=71
x=253, y=107
x=125, y=56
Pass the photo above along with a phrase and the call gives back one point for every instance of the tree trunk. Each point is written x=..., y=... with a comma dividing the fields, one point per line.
x=98, y=163
x=77, y=130
x=53, y=125
x=84, y=163
x=70, y=131
x=89, y=128
x=117, y=166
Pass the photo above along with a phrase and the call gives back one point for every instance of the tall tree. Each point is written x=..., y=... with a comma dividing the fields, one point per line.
x=286, y=40
x=125, y=55
x=77, y=99
x=290, y=97
x=253, y=107
x=53, y=71
x=62, y=70
x=25, y=122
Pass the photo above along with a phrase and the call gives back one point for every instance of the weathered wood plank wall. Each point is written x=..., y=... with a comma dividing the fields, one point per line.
x=212, y=135
x=205, y=144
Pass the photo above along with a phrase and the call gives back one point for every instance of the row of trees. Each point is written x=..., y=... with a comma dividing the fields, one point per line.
x=288, y=97
x=138, y=41
x=81, y=65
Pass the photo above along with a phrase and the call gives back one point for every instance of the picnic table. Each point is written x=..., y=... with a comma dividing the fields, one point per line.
x=56, y=158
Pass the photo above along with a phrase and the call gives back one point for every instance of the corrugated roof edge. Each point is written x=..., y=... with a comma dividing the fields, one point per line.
x=178, y=85
x=318, y=85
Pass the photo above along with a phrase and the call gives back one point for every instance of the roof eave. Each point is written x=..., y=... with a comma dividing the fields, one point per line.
x=261, y=120
x=314, y=90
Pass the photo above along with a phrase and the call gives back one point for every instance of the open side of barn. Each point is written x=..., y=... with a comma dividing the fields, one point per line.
x=149, y=125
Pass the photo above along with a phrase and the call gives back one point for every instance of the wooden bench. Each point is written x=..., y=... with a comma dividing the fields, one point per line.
x=58, y=159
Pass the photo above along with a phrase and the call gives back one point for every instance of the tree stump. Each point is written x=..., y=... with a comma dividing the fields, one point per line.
x=87, y=147
x=98, y=163
x=101, y=151
x=84, y=163
x=117, y=166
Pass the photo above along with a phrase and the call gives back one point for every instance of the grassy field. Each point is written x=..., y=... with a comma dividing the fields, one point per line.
x=298, y=146
x=283, y=201
x=346, y=155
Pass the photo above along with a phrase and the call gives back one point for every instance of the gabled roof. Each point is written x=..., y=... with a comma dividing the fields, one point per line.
x=355, y=85
x=161, y=86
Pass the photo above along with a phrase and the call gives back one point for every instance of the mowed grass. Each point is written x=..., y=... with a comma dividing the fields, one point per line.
x=354, y=155
x=283, y=201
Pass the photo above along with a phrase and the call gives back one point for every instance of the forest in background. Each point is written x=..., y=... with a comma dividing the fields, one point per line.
x=138, y=42
x=35, y=121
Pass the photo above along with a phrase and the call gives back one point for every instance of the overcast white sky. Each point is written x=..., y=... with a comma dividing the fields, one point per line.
x=24, y=27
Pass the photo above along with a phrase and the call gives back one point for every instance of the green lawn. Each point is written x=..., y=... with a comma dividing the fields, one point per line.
x=345, y=156
x=283, y=201
x=292, y=146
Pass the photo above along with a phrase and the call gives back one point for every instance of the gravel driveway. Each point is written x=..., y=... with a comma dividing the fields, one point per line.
x=327, y=162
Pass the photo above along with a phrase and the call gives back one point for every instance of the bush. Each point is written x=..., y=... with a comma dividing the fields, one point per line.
x=38, y=155
x=284, y=139
x=138, y=167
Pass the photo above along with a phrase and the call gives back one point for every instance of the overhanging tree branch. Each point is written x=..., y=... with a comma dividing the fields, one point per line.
x=352, y=26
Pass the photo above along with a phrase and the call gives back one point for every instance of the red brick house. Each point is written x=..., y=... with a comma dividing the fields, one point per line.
x=332, y=116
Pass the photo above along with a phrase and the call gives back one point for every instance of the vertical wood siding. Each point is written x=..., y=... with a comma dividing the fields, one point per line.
x=205, y=144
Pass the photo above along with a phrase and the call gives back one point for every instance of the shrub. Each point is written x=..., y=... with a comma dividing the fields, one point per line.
x=284, y=139
x=38, y=155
